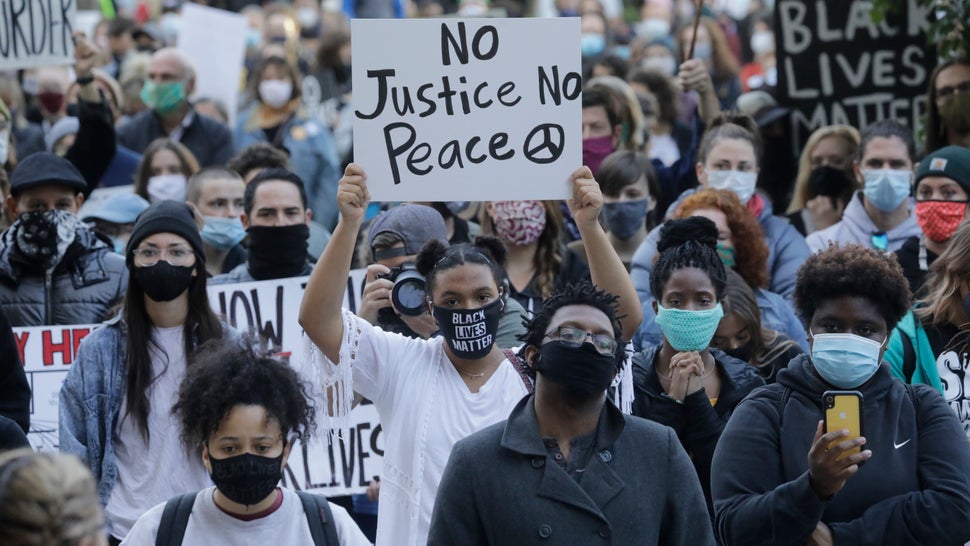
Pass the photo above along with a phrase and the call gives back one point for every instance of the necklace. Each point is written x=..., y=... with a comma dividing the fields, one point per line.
x=472, y=375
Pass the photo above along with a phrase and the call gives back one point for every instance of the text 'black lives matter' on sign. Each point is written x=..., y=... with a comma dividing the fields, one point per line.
x=36, y=32
x=837, y=66
x=467, y=109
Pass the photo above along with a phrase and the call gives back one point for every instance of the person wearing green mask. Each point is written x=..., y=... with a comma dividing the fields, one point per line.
x=683, y=383
x=948, y=106
x=170, y=83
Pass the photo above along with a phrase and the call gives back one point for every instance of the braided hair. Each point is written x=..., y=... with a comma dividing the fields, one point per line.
x=689, y=242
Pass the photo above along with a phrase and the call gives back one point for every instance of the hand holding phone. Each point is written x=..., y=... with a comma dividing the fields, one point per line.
x=843, y=411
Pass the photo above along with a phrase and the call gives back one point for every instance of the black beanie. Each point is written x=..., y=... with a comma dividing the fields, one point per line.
x=166, y=217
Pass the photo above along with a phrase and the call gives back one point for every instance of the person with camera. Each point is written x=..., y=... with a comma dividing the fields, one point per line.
x=431, y=393
x=277, y=221
x=394, y=292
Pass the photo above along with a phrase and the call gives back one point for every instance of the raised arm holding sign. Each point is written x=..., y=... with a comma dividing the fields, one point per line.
x=36, y=33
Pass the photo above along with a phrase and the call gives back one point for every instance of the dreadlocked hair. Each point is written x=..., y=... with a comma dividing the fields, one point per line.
x=582, y=293
x=688, y=242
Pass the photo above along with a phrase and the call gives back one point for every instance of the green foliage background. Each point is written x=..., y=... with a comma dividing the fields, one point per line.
x=949, y=23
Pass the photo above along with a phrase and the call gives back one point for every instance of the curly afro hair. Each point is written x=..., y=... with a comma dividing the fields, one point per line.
x=226, y=374
x=852, y=270
x=582, y=293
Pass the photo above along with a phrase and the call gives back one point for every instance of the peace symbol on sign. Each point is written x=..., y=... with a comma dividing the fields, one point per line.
x=545, y=143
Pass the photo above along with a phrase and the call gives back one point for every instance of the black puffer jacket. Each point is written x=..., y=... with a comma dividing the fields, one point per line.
x=87, y=282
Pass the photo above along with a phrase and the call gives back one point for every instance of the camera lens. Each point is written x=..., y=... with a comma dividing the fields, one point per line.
x=408, y=293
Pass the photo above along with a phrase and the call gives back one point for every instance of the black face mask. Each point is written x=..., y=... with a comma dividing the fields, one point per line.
x=741, y=353
x=582, y=371
x=246, y=479
x=277, y=252
x=163, y=281
x=470, y=333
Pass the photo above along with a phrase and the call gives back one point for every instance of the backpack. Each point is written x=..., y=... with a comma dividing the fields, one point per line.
x=525, y=371
x=175, y=518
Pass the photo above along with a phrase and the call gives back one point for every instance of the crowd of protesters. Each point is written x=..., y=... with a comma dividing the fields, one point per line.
x=645, y=362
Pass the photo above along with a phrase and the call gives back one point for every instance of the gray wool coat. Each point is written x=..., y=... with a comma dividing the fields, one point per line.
x=501, y=487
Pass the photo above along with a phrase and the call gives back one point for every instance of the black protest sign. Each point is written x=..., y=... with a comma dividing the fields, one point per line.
x=836, y=65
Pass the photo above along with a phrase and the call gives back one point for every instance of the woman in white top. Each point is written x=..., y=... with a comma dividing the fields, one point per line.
x=116, y=402
x=244, y=408
x=431, y=393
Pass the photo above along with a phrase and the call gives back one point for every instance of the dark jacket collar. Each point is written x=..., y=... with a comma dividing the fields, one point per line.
x=522, y=428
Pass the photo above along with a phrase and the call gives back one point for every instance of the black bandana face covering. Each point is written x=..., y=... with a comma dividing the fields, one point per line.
x=246, y=479
x=43, y=236
x=277, y=252
x=470, y=333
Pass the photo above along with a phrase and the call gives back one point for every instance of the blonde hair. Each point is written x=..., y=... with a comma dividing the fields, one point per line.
x=47, y=499
x=802, y=193
x=941, y=302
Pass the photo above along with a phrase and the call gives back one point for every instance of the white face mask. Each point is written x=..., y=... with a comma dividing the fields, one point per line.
x=166, y=187
x=275, y=93
x=762, y=41
x=740, y=182
x=666, y=64
x=653, y=28
x=4, y=146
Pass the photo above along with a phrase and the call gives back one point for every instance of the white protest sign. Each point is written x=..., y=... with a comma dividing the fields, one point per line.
x=467, y=109
x=341, y=468
x=215, y=40
x=36, y=33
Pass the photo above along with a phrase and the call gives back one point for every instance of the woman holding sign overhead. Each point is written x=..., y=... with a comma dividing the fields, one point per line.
x=116, y=402
x=431, y=393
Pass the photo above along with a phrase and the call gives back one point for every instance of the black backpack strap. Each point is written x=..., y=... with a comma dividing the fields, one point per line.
x=909, y=357
x=175, y=518
x=525, y=371
x=319, y=518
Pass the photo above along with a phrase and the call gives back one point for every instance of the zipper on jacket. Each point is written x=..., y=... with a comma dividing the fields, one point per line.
x=48, y=296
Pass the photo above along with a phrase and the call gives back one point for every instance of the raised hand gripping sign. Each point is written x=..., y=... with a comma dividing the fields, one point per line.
x=467, y=109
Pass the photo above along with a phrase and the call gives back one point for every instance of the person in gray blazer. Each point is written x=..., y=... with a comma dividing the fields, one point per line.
x=568, y=467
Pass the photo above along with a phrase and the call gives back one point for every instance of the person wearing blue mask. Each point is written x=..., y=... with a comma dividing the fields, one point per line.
x=115, y=217
x=779, y=478
x=880, y=216
x=683, y=383
x=218, y=193
x=277, y=222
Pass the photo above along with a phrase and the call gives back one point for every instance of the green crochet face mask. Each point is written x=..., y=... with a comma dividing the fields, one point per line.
x=689, y=330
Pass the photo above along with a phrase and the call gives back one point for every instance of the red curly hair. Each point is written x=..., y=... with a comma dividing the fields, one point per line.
x=750, y=248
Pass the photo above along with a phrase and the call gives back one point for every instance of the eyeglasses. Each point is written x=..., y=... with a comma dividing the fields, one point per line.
x=575, y=337
x=176, y=255
x=880, y=241
x=963, y=87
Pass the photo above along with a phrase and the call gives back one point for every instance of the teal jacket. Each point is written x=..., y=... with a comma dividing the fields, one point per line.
x=925, y=371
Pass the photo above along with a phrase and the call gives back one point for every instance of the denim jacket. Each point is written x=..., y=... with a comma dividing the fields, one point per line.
x=90, y=401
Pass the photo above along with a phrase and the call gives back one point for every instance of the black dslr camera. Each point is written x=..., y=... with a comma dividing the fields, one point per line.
x=407, y=295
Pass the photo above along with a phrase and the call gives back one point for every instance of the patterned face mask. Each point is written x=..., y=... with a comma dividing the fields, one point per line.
x=43, y=236
x=519, y=223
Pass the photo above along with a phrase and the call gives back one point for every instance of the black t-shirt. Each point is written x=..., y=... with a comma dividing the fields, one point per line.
x=908, y=258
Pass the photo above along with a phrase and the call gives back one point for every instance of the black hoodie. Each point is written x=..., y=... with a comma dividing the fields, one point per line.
x=915, y=489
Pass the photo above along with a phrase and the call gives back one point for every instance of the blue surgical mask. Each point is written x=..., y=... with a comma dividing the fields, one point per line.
x=886, y=189
x=592, y=45
x=845, y=360
x=689, y=330
x=223, y=233
x=624, y=218
x=740, y=182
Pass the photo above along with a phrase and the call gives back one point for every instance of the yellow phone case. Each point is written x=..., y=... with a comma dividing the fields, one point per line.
x=843, y=410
